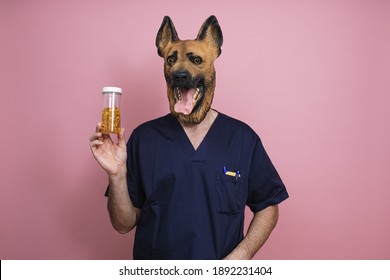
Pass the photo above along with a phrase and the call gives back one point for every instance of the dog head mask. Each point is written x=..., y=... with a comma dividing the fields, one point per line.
x=189, y=68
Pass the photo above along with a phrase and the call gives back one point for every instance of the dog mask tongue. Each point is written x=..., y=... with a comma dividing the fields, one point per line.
x=185, y=105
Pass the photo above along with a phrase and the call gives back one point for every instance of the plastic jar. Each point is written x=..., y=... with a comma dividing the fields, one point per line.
x=111, y=115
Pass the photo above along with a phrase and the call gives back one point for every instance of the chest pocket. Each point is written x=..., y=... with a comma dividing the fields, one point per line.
x=229, y=194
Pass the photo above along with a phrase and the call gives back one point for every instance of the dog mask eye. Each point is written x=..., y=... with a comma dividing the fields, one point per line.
x=171, y=59
x=197, y=60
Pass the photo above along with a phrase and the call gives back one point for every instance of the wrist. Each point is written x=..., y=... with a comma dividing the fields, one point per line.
x=118, y=176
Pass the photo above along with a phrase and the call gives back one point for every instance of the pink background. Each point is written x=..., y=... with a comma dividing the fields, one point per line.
x=311, y=77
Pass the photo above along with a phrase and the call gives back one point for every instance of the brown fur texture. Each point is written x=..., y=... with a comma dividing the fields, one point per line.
x=196, y=59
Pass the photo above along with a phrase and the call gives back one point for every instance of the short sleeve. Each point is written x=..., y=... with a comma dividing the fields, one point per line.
x=265, y=187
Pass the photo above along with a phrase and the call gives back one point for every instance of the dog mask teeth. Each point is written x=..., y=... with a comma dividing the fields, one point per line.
x=196, y=95
x=177, y=94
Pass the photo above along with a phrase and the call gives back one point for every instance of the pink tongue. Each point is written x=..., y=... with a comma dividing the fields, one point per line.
x=185, y=105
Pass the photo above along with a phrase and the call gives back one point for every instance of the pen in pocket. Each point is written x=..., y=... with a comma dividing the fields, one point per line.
x=232, y=173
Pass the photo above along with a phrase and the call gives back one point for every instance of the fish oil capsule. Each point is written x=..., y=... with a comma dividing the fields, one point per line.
x=111, y=115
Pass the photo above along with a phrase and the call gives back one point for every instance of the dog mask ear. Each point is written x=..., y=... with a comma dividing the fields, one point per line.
x=166, y=34
x=211, y=33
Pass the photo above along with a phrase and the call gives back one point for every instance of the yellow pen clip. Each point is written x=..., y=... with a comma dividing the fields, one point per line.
x=231, y=173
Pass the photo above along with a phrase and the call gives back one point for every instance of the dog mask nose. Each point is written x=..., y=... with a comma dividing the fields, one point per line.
x=181, y=77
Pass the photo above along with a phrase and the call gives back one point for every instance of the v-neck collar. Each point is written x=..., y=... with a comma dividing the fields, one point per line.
x=185, y=145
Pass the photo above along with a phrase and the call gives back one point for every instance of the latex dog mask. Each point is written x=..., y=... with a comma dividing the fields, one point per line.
x=189, y=68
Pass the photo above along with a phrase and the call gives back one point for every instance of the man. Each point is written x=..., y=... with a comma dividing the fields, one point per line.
x=184, y=179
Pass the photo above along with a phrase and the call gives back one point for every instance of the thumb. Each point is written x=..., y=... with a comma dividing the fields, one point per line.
x=121, y=137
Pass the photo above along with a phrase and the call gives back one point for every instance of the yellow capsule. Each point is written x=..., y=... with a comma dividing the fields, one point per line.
x=111, y=120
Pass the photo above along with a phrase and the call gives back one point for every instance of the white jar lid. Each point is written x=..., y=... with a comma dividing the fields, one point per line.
x=112, y=89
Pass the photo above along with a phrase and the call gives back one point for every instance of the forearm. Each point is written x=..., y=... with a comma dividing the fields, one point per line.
x=260, y=228
x=123, y=214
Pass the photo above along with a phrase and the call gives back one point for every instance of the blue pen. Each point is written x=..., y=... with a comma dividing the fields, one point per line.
x=224, y=170
x=238, y=175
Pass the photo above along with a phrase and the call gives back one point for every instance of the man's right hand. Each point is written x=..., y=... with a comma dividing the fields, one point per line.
x=112, y=157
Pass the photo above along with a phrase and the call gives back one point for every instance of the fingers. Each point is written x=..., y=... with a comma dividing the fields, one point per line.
x=98, y=127
x=96, y=135
x=95, y=144
x=96, y=138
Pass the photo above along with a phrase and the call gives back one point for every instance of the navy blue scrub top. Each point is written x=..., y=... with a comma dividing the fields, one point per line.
x=193, y=201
